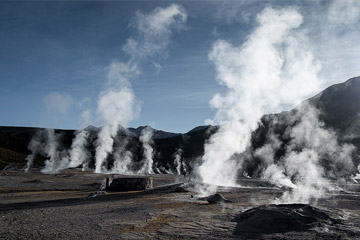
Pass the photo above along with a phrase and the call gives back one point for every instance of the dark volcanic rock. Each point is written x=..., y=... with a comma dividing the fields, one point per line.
x=180, y=189
x=216, y=198
x=283, y=218
x=36, y=181
x=94, y=194
x=157, y=134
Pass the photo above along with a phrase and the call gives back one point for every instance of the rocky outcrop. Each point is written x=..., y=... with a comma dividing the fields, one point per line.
x=284, y=218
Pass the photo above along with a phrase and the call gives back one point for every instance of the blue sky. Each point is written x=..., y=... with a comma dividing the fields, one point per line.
x=54, y=57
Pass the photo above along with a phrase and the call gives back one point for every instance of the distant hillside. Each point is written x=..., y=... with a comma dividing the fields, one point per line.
x=157, y=134
x=14, y=142
x=339, y=110
x=339, y=107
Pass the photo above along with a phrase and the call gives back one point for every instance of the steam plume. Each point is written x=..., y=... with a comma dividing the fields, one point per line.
x=357, y=176
x=272, y=69
x=123, y=157
x=177, y=161
x=47, y=144
x=313, y=157
x=79, y=155
x=117, y=104
x=115, y=107
x=37, y=146
x=146, y=140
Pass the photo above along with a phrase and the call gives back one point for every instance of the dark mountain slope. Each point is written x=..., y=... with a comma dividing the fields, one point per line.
x=339, y=107
x=157, y=134
x=339, y=104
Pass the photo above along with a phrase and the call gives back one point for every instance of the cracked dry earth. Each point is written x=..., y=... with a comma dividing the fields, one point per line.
x=38, y=206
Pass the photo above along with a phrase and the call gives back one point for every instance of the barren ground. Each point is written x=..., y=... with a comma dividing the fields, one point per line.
x=39, y=206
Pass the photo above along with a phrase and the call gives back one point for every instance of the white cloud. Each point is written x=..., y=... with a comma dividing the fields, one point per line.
x=157, y=67
x=233, y=11
x=344, y=12
x=335, y=37
x=58, y=102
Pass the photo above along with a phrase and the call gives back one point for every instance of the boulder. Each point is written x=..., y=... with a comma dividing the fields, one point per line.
x=283, y=218
x=216, y=198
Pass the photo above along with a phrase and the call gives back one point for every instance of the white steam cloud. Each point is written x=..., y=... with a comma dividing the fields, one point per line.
x=154, y=31
x=357, y=176
x=115, y=107
x=177, y=160
x=117, y=104
x=79, y=155
x=272, y=69
x=312, y=157
x=344, y=12
x=47, y=143
x=146, y=140
x=123, y=158
x=37, y=146
x=85, y=118
x=57, y=159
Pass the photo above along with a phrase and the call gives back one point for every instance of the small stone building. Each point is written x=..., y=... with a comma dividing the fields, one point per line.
x=122, y=183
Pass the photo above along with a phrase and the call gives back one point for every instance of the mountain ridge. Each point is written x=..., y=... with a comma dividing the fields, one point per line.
x=338, y=105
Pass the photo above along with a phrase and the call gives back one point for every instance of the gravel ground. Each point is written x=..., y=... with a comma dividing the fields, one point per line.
x=38, y=206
